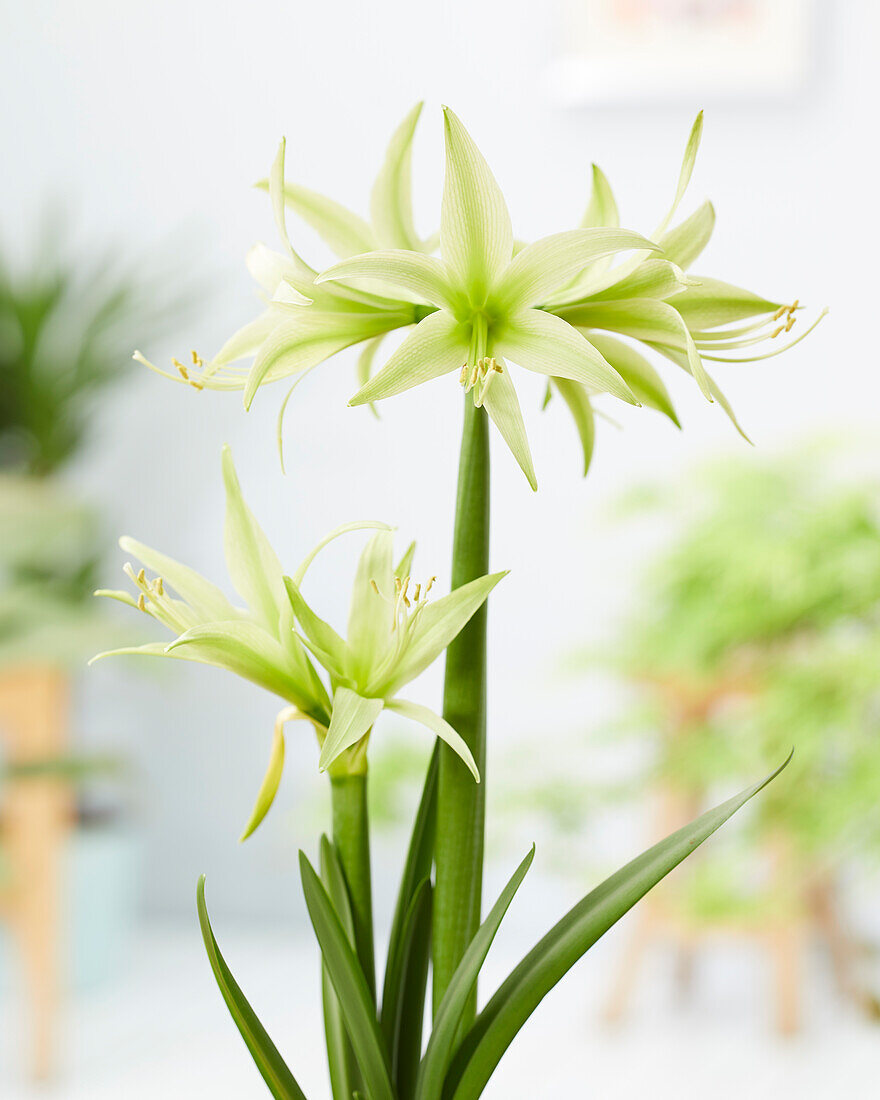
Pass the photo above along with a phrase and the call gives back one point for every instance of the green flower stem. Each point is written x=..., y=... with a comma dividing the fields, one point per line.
x=351, y=835
x=461, y=801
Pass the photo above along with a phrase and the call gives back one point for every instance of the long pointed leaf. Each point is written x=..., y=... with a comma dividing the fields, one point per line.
x=350, y=986
x=552, y=958
x=406, y=1026
x=344, y=1078
x=268, y=1061
x=448, y=1016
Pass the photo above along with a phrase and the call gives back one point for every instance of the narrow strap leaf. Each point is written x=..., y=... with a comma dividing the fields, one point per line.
x=552, y=958
x=406, y=1027
x=350, y=986
x=340, y=1057
x=417, y=868
x=448, y=1016
x=268, y=1061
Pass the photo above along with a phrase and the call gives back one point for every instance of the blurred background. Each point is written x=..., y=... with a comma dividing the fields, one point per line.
x=132, y=136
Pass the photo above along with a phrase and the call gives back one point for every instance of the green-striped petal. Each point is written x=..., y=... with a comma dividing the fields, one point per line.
x=391, y=198
x=397, y=269
x=502, y=405
x=352, y=717
x=427, y=718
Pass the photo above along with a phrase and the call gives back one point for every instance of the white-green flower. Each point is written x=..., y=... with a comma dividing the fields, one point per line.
x=394, y=634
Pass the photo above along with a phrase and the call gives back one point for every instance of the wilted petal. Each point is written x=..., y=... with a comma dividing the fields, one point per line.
x=436, y=346
x=476, y=237
x=548, y=345
x=352, y=717
x=426, y=717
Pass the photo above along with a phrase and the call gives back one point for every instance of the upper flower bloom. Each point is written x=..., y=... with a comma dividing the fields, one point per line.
x=393, y=634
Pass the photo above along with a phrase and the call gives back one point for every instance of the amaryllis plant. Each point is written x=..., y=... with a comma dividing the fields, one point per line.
x=586, y=308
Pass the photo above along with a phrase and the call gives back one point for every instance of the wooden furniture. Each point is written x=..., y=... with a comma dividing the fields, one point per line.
x=36, y=814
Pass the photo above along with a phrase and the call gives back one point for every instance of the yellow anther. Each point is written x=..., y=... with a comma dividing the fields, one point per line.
x=160, y=586
x=375, y=587
x=398, y=584
x=182, y=371
x=429, y=585
x=197, y=362
x=141, y=577
x=142, y=603
x=794, y=305
x=195, y=385
x=791, y=320
x=777, y=331
x=416, y=593
x=782, y=310
x=462, y=378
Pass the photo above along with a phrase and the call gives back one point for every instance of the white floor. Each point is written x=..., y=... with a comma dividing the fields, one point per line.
x=163, y=1032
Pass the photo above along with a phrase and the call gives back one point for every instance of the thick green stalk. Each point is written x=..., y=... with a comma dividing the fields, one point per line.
x=461, y=801
x=351, y=835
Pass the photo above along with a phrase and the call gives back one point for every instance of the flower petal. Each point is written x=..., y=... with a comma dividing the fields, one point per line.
x=502, y=405
x=301, y=275
x=248, y=339
x=342, y=529
x=271, y=270
x=439, y=622
x=601, y=209
x=203, y=597
x=683, y=244
x=320, y=633
x=352, y=717
x=476, y=237
x=345, y=232
x=684, y=176
x=638, y=374
x=578, y=401
x=398, y=269
x=253, y=565
x=372, y=613
x=548, y=345
x=651, y=279
x=436, y=346
x=426, y=717
x=552, y=262
x=712, y=302
x=272, y=778
x=644, y=319
x=391, y=198
x=680, y=358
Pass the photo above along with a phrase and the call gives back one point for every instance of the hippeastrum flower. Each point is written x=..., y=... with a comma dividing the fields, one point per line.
x=394, y=634
x=649, y=298
x=488, y=299
x=257, y=642
x=288, y=339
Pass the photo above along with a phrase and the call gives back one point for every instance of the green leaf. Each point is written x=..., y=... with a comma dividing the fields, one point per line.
x=638, y=374
x=476, y=237
x=403, y=1019
x=352, y=717
x=502, y=405
x=350, y=986
x=524, y=989
x=391, y=198
x=578, y=401
x=271, y=780
x=548, y=345
x=436, y=346
x=426, y=717
x=417, y=868
x=269, y=1062
x=340, y=1056
x=448, y=1017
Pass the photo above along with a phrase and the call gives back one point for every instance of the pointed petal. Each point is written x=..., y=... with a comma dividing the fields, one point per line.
x=476, y=237
x=684, y=176
x=372, y=615
x=272, y=778
x=253, y=565
x=503, y=407
x=302, y=275
x=548, y=345
x=320, y=633
x=602, y=209
x=404, y=566
x=426, y=717
x=436, y=346
x=248, y=339
x=397, y=269
x=345, y=232
x=352, y=717
x=204, y=598
x=644, y=319
x=365, y=365
x=638, y=374
x=391, y=198
x=680, y=358
x=712, y=302
x=578, y=401
x=552, y=262
x=342, y=529
x=438, y=624
x=651, y=279
x=273, y=269
x=149, y=649
x=248, y=651
x=684, y=244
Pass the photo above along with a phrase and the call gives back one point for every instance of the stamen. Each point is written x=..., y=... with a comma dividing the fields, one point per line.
x=462, y=378
x=142, y=576
x=416, y=593
x=777, y=331
x=791, y=320
x=142, y=603
x=375, y=587
x=182, y=371
x=160, y=586
x=779, y=313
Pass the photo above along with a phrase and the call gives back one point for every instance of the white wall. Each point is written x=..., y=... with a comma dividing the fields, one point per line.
x=154, y=119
